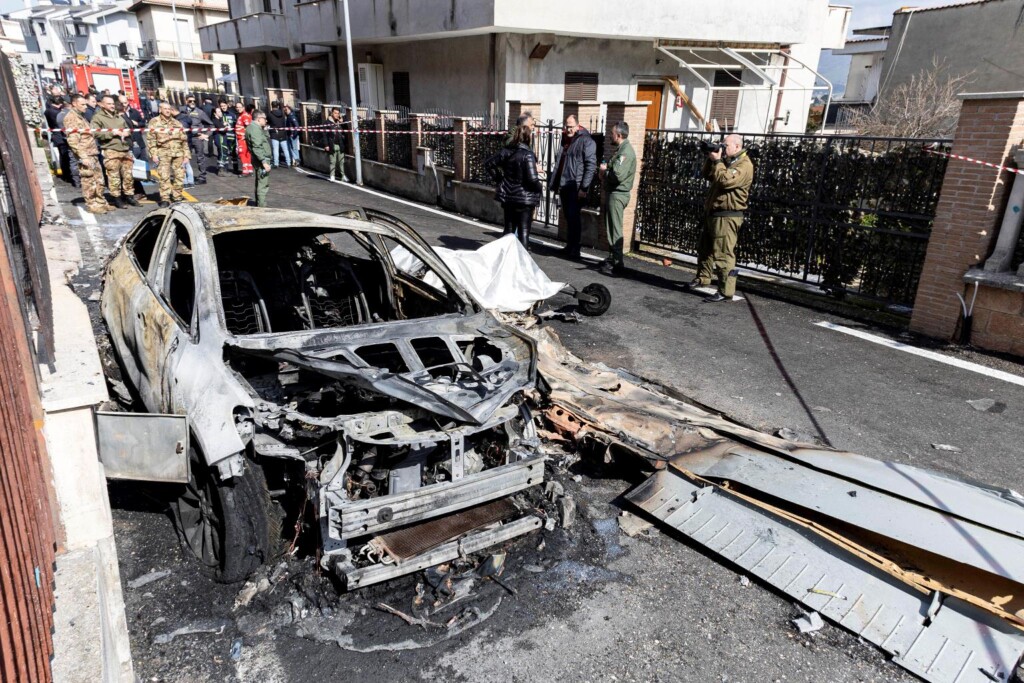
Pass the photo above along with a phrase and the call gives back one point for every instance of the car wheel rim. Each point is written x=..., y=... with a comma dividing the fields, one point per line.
x=200, y=523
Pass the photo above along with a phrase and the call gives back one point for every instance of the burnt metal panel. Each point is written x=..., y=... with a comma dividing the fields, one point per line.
x=957, y=644
x=143, y=446
x=352, y=519
x=402, y=544
x=472, y=543
x=877, y=511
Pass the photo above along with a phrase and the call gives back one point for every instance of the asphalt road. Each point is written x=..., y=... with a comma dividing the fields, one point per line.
x=603, y=606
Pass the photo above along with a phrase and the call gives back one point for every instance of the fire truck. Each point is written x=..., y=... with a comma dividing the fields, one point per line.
x=107, y=75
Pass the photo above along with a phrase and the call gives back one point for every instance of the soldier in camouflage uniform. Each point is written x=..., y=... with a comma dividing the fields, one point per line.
x=731, y=173
x=117, y=154
x=167, y=143
x=83, y=146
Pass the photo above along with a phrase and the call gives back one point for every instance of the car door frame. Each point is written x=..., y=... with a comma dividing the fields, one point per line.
x=175, y=334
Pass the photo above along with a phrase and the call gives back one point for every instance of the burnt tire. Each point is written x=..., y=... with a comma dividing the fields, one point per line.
x=599, y=307
x=230, y=527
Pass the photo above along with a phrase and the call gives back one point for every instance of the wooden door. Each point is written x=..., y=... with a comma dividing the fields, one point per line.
x=651, y=92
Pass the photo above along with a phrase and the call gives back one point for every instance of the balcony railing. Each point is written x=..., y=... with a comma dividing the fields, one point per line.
x=254, y=33
x=173, y=48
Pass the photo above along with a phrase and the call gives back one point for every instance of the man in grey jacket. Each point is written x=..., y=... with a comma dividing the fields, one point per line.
x=577, y=164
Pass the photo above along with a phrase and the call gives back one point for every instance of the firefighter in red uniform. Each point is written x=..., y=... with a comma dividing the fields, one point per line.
x=244, y=119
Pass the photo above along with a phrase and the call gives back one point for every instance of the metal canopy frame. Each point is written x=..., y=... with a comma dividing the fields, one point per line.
x=756, y=59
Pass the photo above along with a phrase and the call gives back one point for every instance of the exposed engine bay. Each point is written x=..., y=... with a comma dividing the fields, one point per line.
x=387, y=425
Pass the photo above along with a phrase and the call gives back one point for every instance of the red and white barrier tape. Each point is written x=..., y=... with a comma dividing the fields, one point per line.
x=325, y=128
x=163, y=129
x=1008, y=169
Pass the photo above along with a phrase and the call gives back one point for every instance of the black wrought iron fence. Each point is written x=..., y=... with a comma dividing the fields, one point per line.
x=850, y=214
x=368, y=139
x=398, y=143
x=315, y=116
x=434, y=136
x=485, y=139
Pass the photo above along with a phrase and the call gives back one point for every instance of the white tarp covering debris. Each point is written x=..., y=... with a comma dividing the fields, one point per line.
x=501, y=275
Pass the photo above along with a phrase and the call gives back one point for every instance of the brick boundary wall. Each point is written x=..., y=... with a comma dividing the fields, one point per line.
x=966, y=224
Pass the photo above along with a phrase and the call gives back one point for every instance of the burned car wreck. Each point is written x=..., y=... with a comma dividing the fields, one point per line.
x=323, y=386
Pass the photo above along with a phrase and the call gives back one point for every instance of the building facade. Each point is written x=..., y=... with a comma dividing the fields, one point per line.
x=746, y=66
x=169, y=33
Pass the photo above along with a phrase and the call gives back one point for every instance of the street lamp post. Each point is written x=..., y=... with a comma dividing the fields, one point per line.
x=352, y=96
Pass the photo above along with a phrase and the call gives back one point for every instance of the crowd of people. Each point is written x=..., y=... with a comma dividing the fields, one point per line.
x=520, y=185
x=104, y=144
x=100, y=138
x=519, y=179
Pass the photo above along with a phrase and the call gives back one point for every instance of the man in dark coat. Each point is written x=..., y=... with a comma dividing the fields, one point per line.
x=278, y=121
x=577, y=165
x=65, y=160
x=198, y=140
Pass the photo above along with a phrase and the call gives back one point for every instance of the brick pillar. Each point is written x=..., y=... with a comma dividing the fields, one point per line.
x=969, y=211
x=587, y=113
x=459, y=127
x=416, y=133
x=518, y=107
x=635, y=116
x=383, y=116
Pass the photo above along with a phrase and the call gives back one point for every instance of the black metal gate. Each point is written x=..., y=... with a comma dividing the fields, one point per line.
x=547, y=140
x=849, y=214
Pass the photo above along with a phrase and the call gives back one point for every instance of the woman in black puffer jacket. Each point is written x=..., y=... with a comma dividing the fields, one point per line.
x=514, y=168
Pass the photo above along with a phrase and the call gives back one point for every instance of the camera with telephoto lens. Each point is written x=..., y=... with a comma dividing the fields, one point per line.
x=709, y=146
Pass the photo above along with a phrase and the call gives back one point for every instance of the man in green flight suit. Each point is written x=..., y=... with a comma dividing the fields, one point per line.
x=731, y=173
x=618, y=173
x=259, y=146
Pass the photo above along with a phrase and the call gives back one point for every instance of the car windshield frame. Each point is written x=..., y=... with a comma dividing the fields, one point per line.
x=364, y=235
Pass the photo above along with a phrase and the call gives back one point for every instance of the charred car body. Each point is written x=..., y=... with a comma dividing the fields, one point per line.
x=313, y=372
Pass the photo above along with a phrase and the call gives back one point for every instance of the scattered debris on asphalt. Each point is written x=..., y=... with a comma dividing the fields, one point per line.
x=809, y=622
x=152, y=576
x=871, y=559
x=215, y=626
x=236, y=650
x=987, y=405
x=946, y=447
x=632, y=525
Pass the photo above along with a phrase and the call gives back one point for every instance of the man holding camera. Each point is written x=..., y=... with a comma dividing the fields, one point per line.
x=730, y=171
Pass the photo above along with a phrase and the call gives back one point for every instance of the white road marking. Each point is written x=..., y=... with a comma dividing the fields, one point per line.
x=439, y=212
x=92, y=229
x=924, y=353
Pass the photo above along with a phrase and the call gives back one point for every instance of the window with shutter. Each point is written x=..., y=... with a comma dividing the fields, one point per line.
x=580, y=86
x=725, y=102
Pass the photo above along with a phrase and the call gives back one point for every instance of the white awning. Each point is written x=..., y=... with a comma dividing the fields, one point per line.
x=755, y=58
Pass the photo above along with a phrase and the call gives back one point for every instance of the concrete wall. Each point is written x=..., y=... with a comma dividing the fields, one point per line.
x=456, y=74
x=980, y=38
x=782, y=21
x=466, y=75
x=863, y=78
